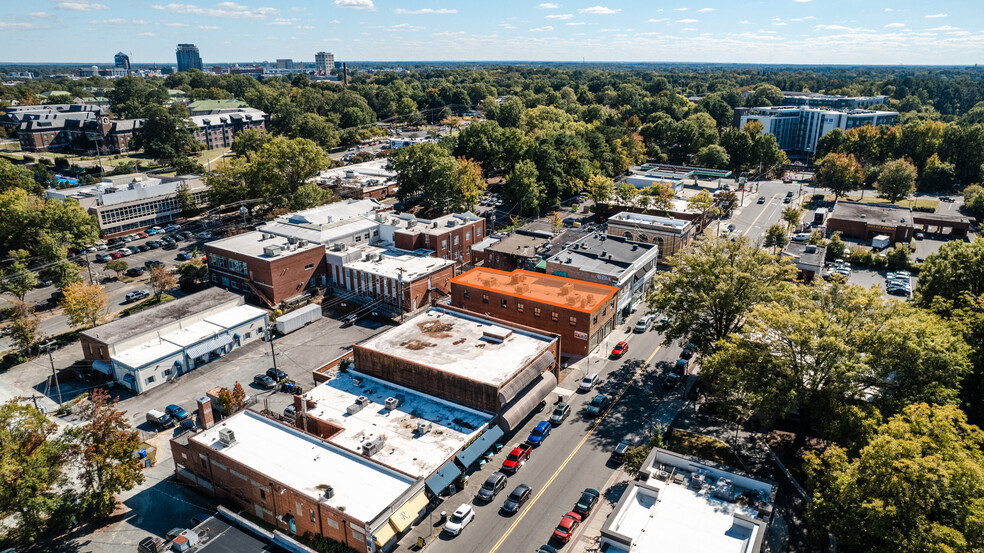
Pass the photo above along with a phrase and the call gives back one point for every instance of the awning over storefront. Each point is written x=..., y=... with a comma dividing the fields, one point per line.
x=102, y=367
x=443, y=478
x=512, y=414
x=479, y=446
x=512, y=388
x=210, y=345
x=384, y=534
x=409, y=512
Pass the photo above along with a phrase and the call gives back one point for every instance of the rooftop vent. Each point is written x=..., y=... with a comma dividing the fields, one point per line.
x=497, y=334
x=372, y=446
x=810, y=248
x=272, y=251
x=329, y=492
x=362, y=400
x=392, y=403
x=423, y=428
x=227, y=436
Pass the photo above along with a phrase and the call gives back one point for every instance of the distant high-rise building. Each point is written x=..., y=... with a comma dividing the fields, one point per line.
x=285, y=64
x=188, y=57
x=122, y=61
x=324, y=62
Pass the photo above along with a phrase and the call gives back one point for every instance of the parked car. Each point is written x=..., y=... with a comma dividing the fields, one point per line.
x=588, y=382
x=151, y=263
x=159, y=419
x=567, y=525
x=539, y=433
x=177, y=412
x=786, y=200
x=276, y=374
x=134, y=271
x=264, y=381
x=681, y=367
x=290, y=411
x=459, y=519
x=171, y=228
x=517, y=498
x=183, y=256
x=587, y=502
x=561, y=412
x=672, y=381
x=800, y=237
x=688, y=351
x=517, y=458
x=137, y=295
x=205, y=235
x=620, y=349
x=153, y=244
x=127, y=252
x=618, y=454
x=598, y=405
x=642, y=325
x=492, y=486
x=546, y=549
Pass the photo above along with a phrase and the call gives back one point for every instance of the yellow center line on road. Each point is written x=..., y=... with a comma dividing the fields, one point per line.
x=560, y=469
x=767, y=206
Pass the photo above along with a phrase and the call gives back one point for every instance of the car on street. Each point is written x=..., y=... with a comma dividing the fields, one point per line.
x=494, y=484
x=642, y=325
x=800, y=237
x=137, y=295
x=618, y=454
x=588, y=382
x=517, y=498
x=134, y=271
x=681, y=366
x=459, y=519
x=517, y=458
x=672, y=381
x=620, y=349
x=919, y=236
x=786, y=200
x=171, y=228
x=177, y=412
x=103, y=257
x=546, y=549
x=539, y=433
x=567, y=525
x=598, y=405
x=560, y=412
x=688, y=351
x=587, y=502
x=183, y=256
x=761, y=200
x=205, y=235
x=276, y=374
x=264, y=381
x=128, y=251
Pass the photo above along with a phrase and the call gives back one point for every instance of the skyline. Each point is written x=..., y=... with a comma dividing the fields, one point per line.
x=892, y=32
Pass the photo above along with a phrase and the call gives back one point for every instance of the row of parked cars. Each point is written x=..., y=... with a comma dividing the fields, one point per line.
x=899, y=283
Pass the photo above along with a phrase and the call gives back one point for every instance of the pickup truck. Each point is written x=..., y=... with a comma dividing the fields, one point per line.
x=517, y=458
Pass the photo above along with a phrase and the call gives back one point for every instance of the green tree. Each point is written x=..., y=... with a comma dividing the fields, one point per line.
x=775, y=238
x=791, y=216
x=118, y=266
x=713, y=156
x=917, y=486
x=937, y=175
x=839, y=173
x=104, y=446
x=703, y=202
x=84, y=303
x=765, y=95
x=17, y=279
x=32, y=458
x=284, y=165
x=192, y=274
x=626, y=194
x=24, y=329
x=16, y=176
x=248, y=141
x=600, y=188
x=956, y=270
x=167, y=133
x=974, y=201
x=896, y=180
x=161, y=280
x=711, y=287
x=523, y=189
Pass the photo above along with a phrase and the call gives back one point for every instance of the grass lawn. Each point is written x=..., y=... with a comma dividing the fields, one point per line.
x=10, y=146
x=146, y=304
x=701, y=446
x=910, y=203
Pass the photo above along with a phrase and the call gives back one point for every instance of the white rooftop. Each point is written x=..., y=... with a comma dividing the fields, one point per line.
x=454, y=342
x=452, y=425
x=307, y=464
x=374, y=168
x=253, y=244
x=650, y=220
x=390, y=262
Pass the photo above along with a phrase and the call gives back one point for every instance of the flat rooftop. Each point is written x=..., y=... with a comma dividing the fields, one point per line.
x=456, y=343
x=550, y=289
x=872, y=213
x=253, y=243
x=603, y=254
x=308, y=464
x=374, y=168
x=223, y=537
x=390, y=262
x=806, y=254
x=668, y=223
x=453, y=426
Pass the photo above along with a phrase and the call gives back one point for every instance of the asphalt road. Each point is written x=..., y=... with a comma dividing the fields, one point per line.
x=575, y=455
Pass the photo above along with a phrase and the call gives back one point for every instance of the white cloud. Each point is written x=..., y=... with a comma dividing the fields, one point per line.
x=779, y=23
x=283, y=21
x=702, y=10
x=305, y=27
x=355, y=4
x=146, y=34
x=744, y=22
x=801, y=1
x=895, y=25
x=937, y=15
x=119, y=21
x=8, y=26
x=507, y=26
x=889, y=10
x=686, y=21
x=40, y=15
x=170, y=24
x=680, y=9
x=548, y=6
x=334, y=22
x=228, y=10
x=425, y=11
x=600, y=10
x=807, y=18
x=399, y=27
x=944, y=28
x=209, y=28
x=687, y=29
x=575, y=23
x=660, y=20
x=544, y=29
x=450, y=34
x=561, y=16
x=81, y=6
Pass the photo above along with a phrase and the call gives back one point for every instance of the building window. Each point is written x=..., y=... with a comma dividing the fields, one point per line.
x=519, y=307
x=249, y=335
x=150, y=380
x=444, y=244
x=167, y=372
x=311, y=514
x=309, y=266
x=358, y=238
x=455, y=240
x=262, y=493
x=485, y=298
x=234, y=285
x=573, y=321
x=503, y=303
x=536, y=311
x=466, y=294
x=367, y=236
x=554, y=316
x=595, y=320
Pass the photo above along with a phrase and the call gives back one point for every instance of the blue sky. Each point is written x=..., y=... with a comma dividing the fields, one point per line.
x=780, y=31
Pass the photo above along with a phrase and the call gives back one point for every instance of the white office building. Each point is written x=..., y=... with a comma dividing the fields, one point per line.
x=798, y=129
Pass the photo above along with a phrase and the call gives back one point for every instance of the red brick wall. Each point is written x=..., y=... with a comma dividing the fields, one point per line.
x=442, y=241
x=93, y=350
x=286, y=273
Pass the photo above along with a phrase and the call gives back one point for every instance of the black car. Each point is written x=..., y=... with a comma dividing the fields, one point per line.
x=184, y=256
x=264, y=381
x=153, y=244
x=672, y=381
x=492, y=486
x=169, y=245
x=587, y=502
x=688, y=351
x=143, y=248
x=618, y=454
x=546, y=549
x=598, y=405
x=517, y=498
x=680, y=368
x=134, y=271
x=276, y=374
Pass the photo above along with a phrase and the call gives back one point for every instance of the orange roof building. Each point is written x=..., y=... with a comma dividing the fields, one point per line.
x=582, y=313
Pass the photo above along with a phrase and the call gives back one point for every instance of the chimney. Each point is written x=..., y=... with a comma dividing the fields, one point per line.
x=345, y=72
x=205, y=416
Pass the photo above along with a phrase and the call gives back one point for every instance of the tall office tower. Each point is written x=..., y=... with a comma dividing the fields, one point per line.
x=324, y=62
x=188, y=57
x=122, y=61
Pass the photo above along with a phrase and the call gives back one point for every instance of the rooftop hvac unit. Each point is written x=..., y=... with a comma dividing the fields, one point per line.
x=362, y=400
x=329, y=492
x=412, y=223
x=372, y=447
x=338, y=247
x=354, y=408
x=451, y=222
x=423, y=428
x=227, y=436
x=291, y=240
x=380, y=218
x=302, y=243
x=272, y=251
x=697, y=481
x=662, y=475
x=392, y=403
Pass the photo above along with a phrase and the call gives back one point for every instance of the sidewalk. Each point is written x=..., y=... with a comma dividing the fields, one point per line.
x=590, y=536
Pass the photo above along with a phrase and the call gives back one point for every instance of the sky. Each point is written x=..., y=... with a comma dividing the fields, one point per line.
x=884, y=32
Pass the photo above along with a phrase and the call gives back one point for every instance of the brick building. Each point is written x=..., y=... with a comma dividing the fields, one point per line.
x=449, y=237
x=401, y=280
x=668, y=234
x=77, y=132
x=218, y=130
x=15, y=115
x=581, y=313
x=865, y=221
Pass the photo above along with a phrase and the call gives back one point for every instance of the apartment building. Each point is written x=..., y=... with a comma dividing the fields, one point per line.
x=15, y=115
x=218, y=130
x=798, y=129
x=834, y=101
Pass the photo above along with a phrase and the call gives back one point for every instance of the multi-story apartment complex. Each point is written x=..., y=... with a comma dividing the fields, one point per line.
x=834, y=101
x=188, y=57
x=219, y=130
x=123, y=203
x=324, y=63
x=14, y=116
x=798, y=129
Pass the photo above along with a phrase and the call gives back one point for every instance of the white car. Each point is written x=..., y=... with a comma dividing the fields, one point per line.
x=588, y=382
x=801, y=237
x=459, y=519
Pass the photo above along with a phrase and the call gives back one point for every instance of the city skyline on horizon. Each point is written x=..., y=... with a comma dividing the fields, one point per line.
x=893, y=32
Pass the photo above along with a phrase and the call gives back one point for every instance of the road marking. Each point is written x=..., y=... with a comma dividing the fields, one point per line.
x=560, y=469
x=768, y=204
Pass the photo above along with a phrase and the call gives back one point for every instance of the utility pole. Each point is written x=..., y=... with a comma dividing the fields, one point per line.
x=272, y=352
x=399, y=279
x=87, y=265
x=53, y=373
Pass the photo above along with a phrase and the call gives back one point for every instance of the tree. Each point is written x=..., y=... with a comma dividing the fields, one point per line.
x=24, y=328
x=522, y=187
x=601, y=189
x=236, y=181
x=626, y=194
x=974, y=201
x=710, y=288
x=286, y=164
x=192, y=274
x=16, y=176
x=950, y=275
x=896, y=180
x=937, y=175
x=161, y=280
x=103, y=452
x=703, y=202
x=713, y=156
x=18, y=280
x=839, y=173
x=792, y=215
x=32, y=458
x=238, y=396
x=118, y=266
x=917, y=486
x=248, y=141
x=167, y=133
x=84, y=303
x=775, y=238
x=765, y=95
x=658, y=196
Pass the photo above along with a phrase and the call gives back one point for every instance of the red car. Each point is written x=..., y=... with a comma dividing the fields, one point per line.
x=116, y=254
x=517, y=458
x=567, y=526
x=620, y=349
